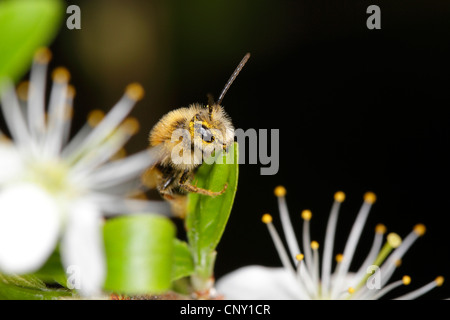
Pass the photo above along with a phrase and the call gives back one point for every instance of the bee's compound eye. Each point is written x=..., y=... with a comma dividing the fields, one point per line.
x=207, y=136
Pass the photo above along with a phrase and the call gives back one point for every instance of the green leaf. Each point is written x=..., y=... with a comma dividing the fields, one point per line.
x=28, y=287
x=183, y=263
x=207, y=216
x=25, y=26
x=139, y=254
x=52, y=271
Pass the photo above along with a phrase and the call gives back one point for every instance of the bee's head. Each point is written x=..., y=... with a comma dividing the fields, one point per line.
x=211, y=127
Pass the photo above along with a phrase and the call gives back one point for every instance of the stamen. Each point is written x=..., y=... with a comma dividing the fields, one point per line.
x=439, y=281
x=380, y=230
x=315, y=269
x=388, y=267
x=4, y=138
x=76, y=141
x=406, y=280
x=13, y=115
x=135, y=91
x=306, y=215
x=352, y=241
x=267, y=219
x=289, y=233
x=131, y=126
x=95, y=117
x=339, y=197
x=419, y=229
x=71, y=92
x=280, y=191
x=22, y=90
x=370, y=197
x=43, y=56
x=104, y=151
x=114, y=205
x=61, y=75
x=67, y=117
x=121, y=154
x=36, y=94
x=423, y=290
x=116, y=172
x=56, y=112
x=304, y=279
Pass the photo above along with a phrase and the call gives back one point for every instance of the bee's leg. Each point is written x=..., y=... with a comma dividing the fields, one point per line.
x=192, y=188
x=195, y=189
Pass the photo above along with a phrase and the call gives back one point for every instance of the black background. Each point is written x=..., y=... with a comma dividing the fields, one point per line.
x=357, y=109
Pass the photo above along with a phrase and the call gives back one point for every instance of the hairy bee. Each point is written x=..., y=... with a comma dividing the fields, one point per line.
x=195, y=129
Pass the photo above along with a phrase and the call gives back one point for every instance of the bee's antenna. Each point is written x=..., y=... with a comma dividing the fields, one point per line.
x=233, y=76
x=210, y=103
x=210, y=99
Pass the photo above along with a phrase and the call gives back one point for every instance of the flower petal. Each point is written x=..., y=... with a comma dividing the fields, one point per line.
x=29, y=228
x=259, y=283
x=82, y=250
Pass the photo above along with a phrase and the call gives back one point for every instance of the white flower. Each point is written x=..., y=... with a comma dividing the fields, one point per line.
x=52, y=189
x=300, y=279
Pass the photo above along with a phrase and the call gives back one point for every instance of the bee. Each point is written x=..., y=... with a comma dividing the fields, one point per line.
x=200, y=127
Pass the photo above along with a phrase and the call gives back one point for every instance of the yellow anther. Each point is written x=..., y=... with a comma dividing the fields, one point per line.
x=280, y=191
x=299, y=257
x=406, y=280
x=420, y=229
x=22, y=90
x=43, y=55
x=306, y=215
x=140, y=196
x=61, y=75
x=351, y=290
x=68, y=112
x=134, y=91
x=394, y=240
x=95, y=117
x=339, y=196
x=339, y=257
x=380, y=228
x=370, y=197
x=4, y=139
x=131, y=125
x=439, y=281
x=266, y=218
x=122, y=153
x=314, y=245
x=71, y=91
